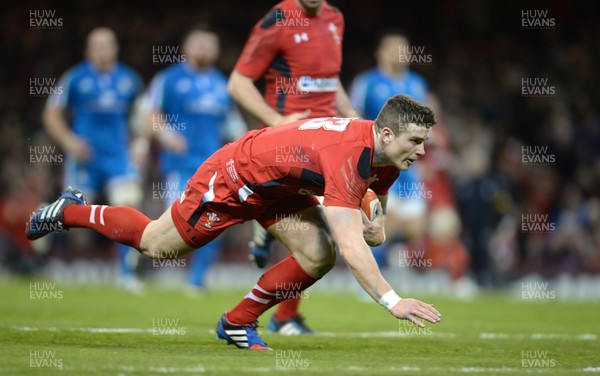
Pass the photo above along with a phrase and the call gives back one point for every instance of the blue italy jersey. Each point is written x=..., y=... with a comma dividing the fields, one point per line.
x=372, y=88
x=100, y=103
x=195, y=104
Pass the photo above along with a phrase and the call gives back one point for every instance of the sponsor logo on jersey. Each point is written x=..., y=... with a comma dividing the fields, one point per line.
x=317, y=85
x=304, y=191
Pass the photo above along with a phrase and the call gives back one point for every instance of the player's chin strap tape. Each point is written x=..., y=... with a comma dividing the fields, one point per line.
x=389, y=299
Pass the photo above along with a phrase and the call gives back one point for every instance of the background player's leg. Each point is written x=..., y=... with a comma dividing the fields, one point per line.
x=260, y=246
x=126, y=263
x=288, y=309
x=306, y=236
x=201, y=262
x=126, y=191
x=88, y=179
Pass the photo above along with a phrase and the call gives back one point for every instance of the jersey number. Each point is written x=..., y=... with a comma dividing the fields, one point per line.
x=329, y=124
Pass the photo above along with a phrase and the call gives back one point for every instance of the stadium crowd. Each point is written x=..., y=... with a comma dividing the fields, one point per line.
x=518, y=142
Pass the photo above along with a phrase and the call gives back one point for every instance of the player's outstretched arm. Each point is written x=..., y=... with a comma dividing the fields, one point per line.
x=346, y=226
x=247, y=96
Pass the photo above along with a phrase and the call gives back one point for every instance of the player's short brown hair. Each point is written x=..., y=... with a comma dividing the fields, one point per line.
x=401, y=110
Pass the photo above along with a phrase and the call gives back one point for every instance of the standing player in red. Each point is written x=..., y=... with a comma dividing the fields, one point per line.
x=297, y=49
x=271, y=175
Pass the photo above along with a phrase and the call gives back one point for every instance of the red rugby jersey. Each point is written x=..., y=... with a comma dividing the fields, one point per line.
x=299, y=56
x=331, y=157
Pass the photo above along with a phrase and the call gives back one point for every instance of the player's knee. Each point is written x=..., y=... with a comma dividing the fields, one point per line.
x=323, y=260
x=152, y=246
x=155, y=249
x=329, y=261
x=325, y=265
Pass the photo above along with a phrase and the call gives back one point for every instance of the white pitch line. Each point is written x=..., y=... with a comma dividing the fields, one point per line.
x=85, y=330
x=386, y=334
x=485, y=369
x=540, y=336
x=196, y=369
x=150, y=369
x=314, y=369
x=381, y=334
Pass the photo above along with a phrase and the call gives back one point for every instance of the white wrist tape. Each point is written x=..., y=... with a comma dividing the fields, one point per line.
x=389, y=299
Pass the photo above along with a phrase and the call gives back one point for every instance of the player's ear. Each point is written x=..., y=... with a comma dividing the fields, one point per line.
x=387, y=135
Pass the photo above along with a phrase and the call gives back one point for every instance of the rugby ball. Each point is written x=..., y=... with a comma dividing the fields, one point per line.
x=368, y=204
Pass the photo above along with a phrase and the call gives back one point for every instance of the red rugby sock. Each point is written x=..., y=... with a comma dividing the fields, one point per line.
x=288, y=309
x=119, y=223
x=282, y=281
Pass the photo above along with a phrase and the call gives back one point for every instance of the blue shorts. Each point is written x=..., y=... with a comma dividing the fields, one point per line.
x=94, y=177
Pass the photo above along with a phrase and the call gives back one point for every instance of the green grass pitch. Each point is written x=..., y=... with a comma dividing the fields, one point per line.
x=53, y=329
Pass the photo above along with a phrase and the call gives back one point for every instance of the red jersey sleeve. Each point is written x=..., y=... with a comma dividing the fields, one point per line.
x=261, y=47
x=346, y=175
x=386, y=176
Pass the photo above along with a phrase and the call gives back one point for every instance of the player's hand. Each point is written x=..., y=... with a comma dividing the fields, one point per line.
x=79, y=149
x=174, y=142
x=373, y=231
x=292, y=117
x=410, y=309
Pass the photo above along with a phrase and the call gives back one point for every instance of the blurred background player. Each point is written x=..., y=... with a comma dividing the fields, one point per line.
x=97, y=96
x=297, y=49
x=421, y=208
x=368, y=93
x=192, y=115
